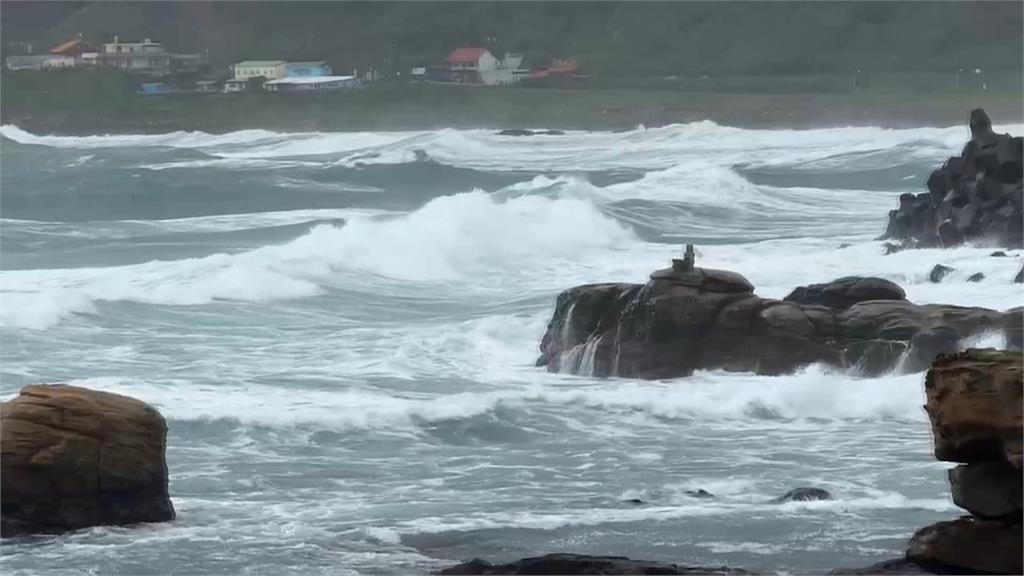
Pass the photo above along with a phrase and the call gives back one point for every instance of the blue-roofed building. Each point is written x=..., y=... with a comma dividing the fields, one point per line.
x=304, y=69
x=151, y=88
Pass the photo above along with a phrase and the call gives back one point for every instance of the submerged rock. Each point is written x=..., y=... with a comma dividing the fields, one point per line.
x=976, y=277
x=939, y=272
x=525, y=132
x=1019, y=278
x=998, y=254
x=74, y=457
x=572, y=564
x=702, y=319
x=700, y=493
x=803, y=495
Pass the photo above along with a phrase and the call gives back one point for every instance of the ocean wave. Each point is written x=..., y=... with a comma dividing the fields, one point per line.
x=746, y=401
x=451, y=238
x=651, y=149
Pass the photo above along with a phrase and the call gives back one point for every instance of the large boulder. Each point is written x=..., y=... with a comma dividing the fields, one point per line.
x=686, y=320
x=974, y=403
x=845, y=292
x=989, y=490
x=581, y=564
x=74, y=457
x=969, y=547
x=976, y=196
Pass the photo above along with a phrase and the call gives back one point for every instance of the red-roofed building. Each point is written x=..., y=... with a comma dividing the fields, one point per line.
x=74, y=48
x=560, y=73
x=469, y=65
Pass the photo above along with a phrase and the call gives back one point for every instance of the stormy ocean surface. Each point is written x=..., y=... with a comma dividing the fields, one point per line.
x=340, y=329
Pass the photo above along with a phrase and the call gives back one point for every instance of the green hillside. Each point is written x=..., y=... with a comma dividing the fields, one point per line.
x=624, y=39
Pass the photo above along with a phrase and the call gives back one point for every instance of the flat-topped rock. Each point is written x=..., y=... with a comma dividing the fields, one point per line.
x=845, y=292
x=706, y=279
x=685, y=319
x=74, y=457
x=974, y=401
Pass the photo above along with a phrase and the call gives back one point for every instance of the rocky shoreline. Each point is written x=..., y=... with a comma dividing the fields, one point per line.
x=687, y=318
x=74, y=458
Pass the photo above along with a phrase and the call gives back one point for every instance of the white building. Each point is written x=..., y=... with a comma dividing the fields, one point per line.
x=311, y=83
x=39, y=62
x=269, y=69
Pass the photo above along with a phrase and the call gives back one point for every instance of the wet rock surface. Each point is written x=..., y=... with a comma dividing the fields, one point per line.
x=74, y=457
x=974, y=404
x=978, y=195
x=939, y=272
x=572, y=564
x=803, y=495
x=681, y=321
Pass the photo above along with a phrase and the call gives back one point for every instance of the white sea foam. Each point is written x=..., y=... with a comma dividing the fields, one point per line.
x=656, y=148
x=452, y=238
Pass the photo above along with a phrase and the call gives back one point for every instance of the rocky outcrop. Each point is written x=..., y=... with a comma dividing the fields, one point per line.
x=974, y=404
x=978, y=195
x=803, y=495
x=581, y=564
x=845, y=292
x=939, y=272
x=525, y=132
x=686, y=319
x=73, y=457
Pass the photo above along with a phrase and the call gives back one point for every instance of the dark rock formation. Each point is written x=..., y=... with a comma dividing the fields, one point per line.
x=525, y=132
x=939, y=272
x=969, y=546
x=976, y=277
x=893, y=566
x=700, y=493
x=845, y=292
x=974, y=403
x=803, y=495
x=1019, y=278
x=976, y=196
x=686, y=320
x=988, y=490
x=998, y=254
x=73, y=457
x=571, y=564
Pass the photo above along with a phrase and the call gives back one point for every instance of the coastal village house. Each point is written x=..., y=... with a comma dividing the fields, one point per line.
x=470, y=65
x=305, y=69
x=66, y=55
x=39, y=62
x=269, y=69
x=311, y=83
x=479, y=66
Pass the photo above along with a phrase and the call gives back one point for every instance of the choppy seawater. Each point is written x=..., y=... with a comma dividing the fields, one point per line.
x=341, y=332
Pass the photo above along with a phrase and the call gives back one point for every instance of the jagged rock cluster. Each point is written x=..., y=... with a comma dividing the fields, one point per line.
x=74, y=457
x=687, y=319
x=978, y=195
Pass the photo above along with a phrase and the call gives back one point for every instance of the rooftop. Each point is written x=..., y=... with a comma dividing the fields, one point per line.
x=308, y=63
x=466, y=54
x=260, y=63
x=310, y=80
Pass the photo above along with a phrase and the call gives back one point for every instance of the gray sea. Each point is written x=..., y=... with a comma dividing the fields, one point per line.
x=340, y=329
